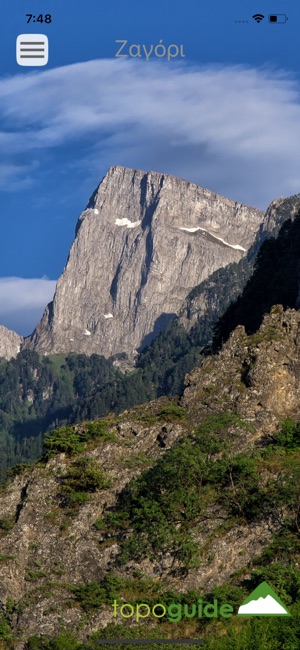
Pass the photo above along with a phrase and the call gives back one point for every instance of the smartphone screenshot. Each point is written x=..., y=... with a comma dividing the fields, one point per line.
x=149, y=325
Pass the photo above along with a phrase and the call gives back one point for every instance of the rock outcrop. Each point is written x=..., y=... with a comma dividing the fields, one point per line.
x=10, y=343
x=278, y=211
x=257, y=376
x=144, y=241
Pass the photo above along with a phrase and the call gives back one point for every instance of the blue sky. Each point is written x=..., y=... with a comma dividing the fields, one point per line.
x=226, y=116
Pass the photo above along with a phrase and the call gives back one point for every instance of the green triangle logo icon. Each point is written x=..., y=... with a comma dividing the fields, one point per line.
x=263, y=602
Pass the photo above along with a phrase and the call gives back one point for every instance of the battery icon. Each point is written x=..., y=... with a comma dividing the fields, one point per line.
x=278, y=18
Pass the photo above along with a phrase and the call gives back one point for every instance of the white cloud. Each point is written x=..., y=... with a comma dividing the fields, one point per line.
x=22, y=302
x=233, y=129
x=16, y=177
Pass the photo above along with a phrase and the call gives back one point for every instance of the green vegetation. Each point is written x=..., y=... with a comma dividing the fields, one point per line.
x=33, y=575
x=39, y=394
x=138, y=460
x=84, y=476
x=162, y=506
x=64, y=440
x=93, y=595
x=173, y=412
x=289, y=434
x=159, y=511
x=6, y=634
x=63, y=641
x=163, y=509
x=71, y=440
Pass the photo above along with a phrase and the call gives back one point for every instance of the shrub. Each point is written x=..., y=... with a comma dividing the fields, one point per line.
x=97, y=429
x=173, y=412
x=65, y=440
x=64, y=641
x=92, y=595
x=242, y=493
x=289, y=434
x=19, y=469
x=74, y=500
x=85, y=475
x=6, y=633
x=71, y=440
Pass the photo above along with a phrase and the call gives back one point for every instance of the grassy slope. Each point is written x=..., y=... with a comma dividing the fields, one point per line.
x=163, y=517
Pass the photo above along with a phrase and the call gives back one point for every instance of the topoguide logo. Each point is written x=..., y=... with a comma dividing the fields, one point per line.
x=173, y=612
x=263, y=601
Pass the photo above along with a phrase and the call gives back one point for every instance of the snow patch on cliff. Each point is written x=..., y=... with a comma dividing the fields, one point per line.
x=235, y=246
x=126, y=222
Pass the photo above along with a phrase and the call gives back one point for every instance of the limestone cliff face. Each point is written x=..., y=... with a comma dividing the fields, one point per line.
x=10, y=343
x=144, y=241
x=214, y=295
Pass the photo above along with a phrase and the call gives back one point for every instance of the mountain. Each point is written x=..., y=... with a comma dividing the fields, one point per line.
x=37, y=393
x=170, y=502
x=143, y=242
x=10, y=343
x=201, y=306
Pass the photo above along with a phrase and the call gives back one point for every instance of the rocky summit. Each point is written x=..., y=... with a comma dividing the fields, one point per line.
x=143, y=242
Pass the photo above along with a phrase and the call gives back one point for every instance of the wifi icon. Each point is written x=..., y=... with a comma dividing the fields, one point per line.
x=258, y=17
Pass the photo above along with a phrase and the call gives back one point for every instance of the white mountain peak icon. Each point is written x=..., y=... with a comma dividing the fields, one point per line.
x=263, y=601
x=267, y=605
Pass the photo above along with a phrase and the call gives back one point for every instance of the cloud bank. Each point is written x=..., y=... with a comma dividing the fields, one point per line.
x=233, y=129
x=22, y=302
